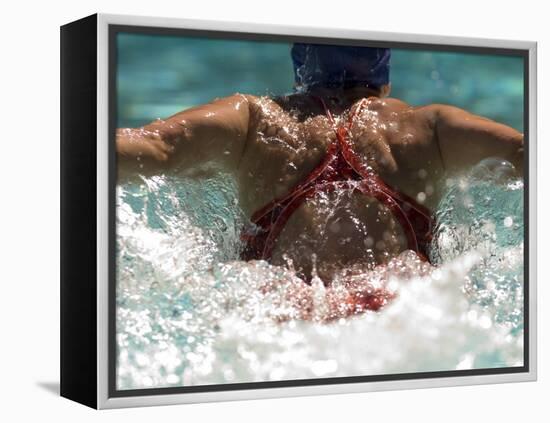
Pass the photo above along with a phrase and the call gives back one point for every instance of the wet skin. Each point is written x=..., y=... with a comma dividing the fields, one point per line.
x=272, y=144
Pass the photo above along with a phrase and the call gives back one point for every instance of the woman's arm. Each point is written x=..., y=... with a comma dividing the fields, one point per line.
x=216, y=131
x=464, y=138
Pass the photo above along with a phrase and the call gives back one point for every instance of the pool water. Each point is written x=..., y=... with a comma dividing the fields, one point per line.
x=161, y=75
x=189, y=312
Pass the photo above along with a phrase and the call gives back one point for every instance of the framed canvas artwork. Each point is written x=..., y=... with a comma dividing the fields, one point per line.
x=255, y=211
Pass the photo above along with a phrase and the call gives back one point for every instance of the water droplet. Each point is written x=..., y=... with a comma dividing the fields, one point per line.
x=421, y=197
x=429, y=189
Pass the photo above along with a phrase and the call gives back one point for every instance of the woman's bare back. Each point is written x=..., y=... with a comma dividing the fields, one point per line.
x=288, y=137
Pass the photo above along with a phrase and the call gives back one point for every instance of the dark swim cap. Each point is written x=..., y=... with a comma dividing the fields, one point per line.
x=335, y=66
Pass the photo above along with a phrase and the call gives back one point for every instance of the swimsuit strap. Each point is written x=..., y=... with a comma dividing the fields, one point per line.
x=271, y=218
x=339, y=159
x=408, y=212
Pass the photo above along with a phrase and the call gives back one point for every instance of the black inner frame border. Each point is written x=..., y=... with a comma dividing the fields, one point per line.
x=115, y=29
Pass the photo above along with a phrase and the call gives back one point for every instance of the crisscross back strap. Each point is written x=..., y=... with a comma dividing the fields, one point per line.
x=270, y=220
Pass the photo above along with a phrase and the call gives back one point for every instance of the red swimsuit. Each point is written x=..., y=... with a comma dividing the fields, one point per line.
x=341, y=168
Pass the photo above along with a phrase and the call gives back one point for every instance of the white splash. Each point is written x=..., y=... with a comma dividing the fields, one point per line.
x=189, y=312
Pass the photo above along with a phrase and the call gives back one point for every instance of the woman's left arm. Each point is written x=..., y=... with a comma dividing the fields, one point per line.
x=464, y=138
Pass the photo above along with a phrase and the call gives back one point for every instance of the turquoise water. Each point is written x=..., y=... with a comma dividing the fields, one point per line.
x=161, y=75
x=189, y=312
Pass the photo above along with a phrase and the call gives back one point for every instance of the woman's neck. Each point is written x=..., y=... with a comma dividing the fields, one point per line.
x=341, y=96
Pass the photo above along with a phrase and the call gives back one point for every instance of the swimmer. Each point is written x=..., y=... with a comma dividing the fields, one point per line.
x=334, y=176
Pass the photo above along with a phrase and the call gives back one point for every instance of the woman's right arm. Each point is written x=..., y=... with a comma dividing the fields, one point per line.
x=216, y=131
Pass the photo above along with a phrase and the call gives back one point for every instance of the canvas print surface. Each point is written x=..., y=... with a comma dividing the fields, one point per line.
x=289, y=211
